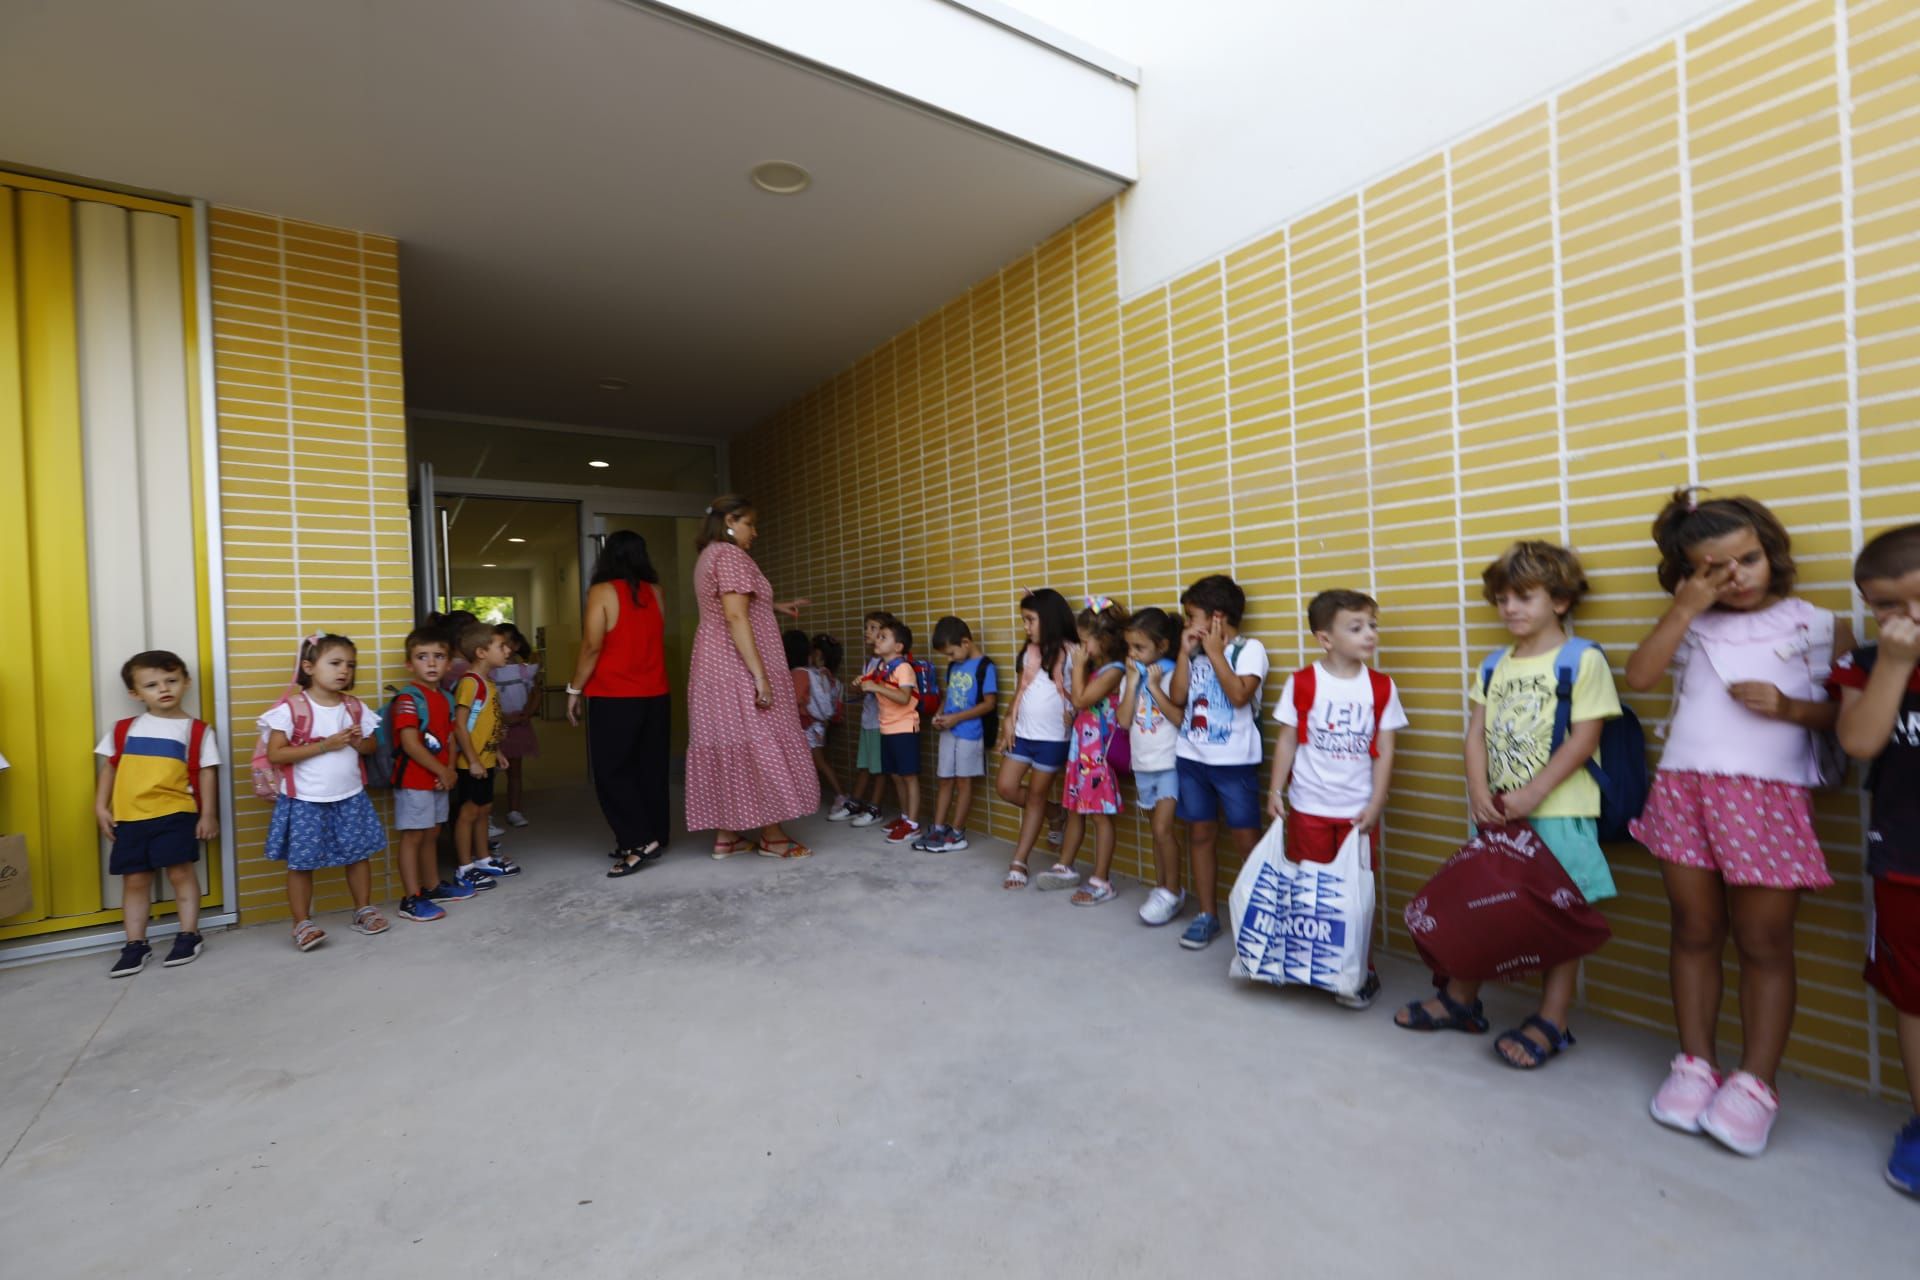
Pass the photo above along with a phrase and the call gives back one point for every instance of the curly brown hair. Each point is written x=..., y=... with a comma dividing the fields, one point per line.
x=1686, y=522
x=1526, y=565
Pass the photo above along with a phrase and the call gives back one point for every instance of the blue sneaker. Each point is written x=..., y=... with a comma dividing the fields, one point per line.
x=421, y=909
x=1903, y=1170
x=1204, y=929
x=451, y=891
x=479, y=884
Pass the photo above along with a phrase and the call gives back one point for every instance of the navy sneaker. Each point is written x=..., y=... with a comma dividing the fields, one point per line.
x=1201, y=933
x=133, y=958
x=186, y=949
x=928, y=839
x=451, y=891
x=421, y=908
x=1903, y=1170
x=479, y=884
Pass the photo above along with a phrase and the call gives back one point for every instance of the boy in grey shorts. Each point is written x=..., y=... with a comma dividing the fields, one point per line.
x=971, y=695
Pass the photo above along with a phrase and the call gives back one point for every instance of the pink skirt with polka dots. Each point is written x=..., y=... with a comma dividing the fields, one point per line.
x=1750, y=830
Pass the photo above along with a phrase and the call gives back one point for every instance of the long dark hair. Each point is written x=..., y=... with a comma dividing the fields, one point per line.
x=623, y=558
x=1057, y=629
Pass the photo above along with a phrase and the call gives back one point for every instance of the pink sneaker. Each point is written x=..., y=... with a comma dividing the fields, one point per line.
x=1687, y=1093
x=1741, y=1115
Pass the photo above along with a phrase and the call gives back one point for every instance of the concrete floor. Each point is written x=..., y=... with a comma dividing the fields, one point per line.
x=871, y=1063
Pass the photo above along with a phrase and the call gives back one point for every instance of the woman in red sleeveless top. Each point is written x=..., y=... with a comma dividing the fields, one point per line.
x=622, y=679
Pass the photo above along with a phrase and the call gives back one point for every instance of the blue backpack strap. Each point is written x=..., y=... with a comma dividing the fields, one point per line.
x=1566, y=674
x=1487, y=666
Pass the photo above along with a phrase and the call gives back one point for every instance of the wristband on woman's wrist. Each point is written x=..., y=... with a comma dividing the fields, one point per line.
x=575, y=693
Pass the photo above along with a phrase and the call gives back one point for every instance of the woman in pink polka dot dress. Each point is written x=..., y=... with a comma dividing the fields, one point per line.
x=748, y=766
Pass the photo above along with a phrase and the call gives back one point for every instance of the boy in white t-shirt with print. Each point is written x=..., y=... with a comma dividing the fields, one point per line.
x=1217, y=676
x=1339, y=755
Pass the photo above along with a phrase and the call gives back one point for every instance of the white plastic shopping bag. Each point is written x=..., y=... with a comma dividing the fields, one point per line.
x=1303, y=924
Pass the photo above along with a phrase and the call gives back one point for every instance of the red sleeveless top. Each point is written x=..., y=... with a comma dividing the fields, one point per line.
x=633, y=661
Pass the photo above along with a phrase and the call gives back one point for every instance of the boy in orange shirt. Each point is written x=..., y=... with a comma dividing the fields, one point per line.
x=894, y=684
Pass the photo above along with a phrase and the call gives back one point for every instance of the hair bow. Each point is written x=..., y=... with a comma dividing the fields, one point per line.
x=1099, y=604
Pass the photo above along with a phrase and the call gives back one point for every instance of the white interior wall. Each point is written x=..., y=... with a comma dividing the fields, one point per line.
x=1253, y=111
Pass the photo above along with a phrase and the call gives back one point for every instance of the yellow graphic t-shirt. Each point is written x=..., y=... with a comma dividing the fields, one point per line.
x=484, y=730
x=1520, y=702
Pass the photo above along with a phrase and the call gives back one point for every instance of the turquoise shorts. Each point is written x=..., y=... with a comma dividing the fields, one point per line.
x=1576, y=846
x=868, y=758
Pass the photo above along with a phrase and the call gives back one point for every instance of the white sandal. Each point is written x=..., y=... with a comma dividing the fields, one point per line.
x=369, y=920
x=1016, y=877
x=307, y=935
x=1095, y=893
x=1059, y=876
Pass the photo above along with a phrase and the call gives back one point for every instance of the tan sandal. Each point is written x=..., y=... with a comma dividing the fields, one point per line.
x=369, y=920
x=307, y=935
x=786, y=849
x=724, y=849
x=1016, y=876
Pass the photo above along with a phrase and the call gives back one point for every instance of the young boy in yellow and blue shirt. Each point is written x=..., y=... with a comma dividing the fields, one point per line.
x=157, y=798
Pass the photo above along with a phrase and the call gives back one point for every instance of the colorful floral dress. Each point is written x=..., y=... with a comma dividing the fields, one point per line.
x=1090, y=785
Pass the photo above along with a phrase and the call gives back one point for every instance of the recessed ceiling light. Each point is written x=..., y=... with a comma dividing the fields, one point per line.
x=516, y=539
x=614, y=384
x=489, y=565
x=597, y=463
x=781, y=178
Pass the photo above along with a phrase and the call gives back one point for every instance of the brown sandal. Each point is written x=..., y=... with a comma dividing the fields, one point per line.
x=782, y=849
x=724, y=849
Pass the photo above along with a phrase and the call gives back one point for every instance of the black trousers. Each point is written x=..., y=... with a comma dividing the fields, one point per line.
x=628, y=740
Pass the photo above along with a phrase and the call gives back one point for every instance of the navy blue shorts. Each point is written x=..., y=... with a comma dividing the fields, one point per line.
x=151, y=843
x=900, y=755
x=1045, y=757
x=1227, y=793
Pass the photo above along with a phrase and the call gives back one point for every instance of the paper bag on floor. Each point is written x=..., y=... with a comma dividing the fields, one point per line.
x=16, y=878
x=1303, y=924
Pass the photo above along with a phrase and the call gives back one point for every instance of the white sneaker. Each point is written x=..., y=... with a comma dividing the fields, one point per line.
x=495, y=830
x=516, y=819
x=841, y=811
x=1161, y=906
x=865, y=818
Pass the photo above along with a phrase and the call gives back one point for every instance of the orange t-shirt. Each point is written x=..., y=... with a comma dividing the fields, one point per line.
x=900, y=717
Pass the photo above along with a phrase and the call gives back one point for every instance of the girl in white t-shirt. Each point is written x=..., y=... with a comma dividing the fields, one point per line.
x=1152, y=722
x=1730, y=814
x=1034, y=734
x=323, y=818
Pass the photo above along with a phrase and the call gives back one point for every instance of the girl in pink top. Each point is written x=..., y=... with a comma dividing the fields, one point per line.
x=1730, y=816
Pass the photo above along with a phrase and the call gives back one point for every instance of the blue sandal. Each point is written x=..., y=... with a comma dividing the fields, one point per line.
x=1459, y=1017
x=1557, y=1041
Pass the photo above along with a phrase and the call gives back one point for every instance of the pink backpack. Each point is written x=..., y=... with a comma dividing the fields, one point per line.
x=270, y=780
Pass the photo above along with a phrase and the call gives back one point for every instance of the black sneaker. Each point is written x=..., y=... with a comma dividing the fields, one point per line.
x=186, y=949
x=133, y=958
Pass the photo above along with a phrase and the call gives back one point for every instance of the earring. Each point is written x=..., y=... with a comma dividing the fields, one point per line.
x=729, y=533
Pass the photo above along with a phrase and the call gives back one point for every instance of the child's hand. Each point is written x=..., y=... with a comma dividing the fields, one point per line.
x=1701, y=590
x=1214, y=639
x=1480, y=805
x=1761, y=698
x=1900, y=639
x=1277, y=804
x=208, y=828
x=1520, y=802
x=942, y=721
x=446, y=777
x=1369, y=820
x=477, y=770
x=105, y=818
x=345, y=738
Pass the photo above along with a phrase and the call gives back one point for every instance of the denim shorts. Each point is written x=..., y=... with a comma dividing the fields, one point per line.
x=1219, y=792
x=900, y=755
x=1045, y=757
x=1154, y=785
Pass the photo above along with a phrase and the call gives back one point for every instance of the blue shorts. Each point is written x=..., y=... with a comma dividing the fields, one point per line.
x=1219, y=792
x=1045, y=757
x=147, y=844
x=900, y=755
x=1154, y=785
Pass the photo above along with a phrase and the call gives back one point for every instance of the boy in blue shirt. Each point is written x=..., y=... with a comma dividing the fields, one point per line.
x=973, y=690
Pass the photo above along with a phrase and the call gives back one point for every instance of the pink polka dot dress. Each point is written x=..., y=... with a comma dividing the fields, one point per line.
x=747, y=766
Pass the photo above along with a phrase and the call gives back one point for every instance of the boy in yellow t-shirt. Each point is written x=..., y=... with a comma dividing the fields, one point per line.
x=1513, y=772
x=477, y=730
x=158, y=797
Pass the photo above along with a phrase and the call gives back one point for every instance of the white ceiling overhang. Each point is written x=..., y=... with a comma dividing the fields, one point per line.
x=569, y=178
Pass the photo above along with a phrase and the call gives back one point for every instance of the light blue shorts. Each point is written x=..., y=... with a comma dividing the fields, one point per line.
x=1153, y=786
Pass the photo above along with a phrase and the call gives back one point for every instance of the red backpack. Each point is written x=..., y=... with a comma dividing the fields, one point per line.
x=1305, y=685
x=194, y=737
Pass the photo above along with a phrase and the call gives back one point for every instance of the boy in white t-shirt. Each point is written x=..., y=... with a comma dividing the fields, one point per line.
x=1339, y=755
x=1216, y=679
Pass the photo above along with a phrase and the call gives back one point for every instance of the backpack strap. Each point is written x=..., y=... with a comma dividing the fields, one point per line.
x=1382, y=695
x=1488, y=665
x=1566, y=674
x=121, y=729
x=196, y=734
x=1306, y=683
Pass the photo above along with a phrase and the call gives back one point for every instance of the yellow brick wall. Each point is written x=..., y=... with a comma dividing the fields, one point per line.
x=1537, y=331
x=313, y=495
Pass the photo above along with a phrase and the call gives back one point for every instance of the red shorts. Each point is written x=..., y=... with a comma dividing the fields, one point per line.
x=1893, y=944
x=1315, y=839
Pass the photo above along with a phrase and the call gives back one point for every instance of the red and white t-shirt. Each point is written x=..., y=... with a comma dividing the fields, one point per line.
x=1333, y=769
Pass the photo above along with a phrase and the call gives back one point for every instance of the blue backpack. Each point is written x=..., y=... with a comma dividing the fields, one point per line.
x=384, y=769
x=1623, y=744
